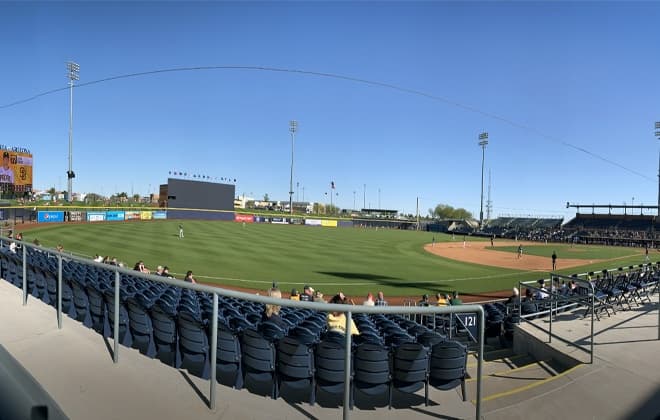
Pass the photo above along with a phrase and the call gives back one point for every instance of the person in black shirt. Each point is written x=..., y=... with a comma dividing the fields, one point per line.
x=554, y=260
x=307, y=294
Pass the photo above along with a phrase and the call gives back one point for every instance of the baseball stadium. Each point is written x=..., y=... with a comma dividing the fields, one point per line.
x=198, y=299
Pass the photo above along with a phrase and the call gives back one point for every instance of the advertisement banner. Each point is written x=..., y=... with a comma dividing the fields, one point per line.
x=313, y=222
x=245, y=218
x=146, y=215
x=75, y=216
x=261, y=219
x=50, y=217
x=279, y=221
x=114, y=216
x=95, y=216
x=132, y=215
x=159, y=214
x=329, y=223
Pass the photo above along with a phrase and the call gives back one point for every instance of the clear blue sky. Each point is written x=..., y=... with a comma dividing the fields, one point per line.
x=587, y=74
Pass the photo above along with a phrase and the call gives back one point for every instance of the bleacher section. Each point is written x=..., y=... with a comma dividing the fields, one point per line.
x=172, y=324
x=530, y=228
x=612, y=229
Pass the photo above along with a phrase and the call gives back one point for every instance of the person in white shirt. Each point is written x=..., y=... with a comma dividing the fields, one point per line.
x=370, y=300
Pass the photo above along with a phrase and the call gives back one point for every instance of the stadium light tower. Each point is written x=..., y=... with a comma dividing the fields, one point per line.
x=483, y=141
x=657, y=134
x=293, y=127
x=73, y=69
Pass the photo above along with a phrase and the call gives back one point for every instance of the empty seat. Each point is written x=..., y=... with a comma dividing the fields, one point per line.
x=295, y=364
x=329, y=361
x=165, y=336
x=371, y=371
x=259, y=360
x=228, y=357
x=411, y=369
x=448, y=366
x=193, y=345
x=124, y=330
x=141, y=327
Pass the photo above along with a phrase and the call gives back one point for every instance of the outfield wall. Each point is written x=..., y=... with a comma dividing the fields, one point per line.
x=47, y=214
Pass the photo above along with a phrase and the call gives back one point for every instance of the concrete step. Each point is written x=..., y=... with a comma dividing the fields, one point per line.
x=500, y=364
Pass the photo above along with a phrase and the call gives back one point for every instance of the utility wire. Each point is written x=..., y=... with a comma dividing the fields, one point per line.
x=351, y=79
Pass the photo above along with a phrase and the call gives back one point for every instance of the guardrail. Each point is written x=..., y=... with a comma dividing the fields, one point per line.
x=348, y=310
x=589, y=300
x=553, y=298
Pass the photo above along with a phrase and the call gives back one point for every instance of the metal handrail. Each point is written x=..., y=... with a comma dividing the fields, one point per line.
x=554, y=299
x=349, y=310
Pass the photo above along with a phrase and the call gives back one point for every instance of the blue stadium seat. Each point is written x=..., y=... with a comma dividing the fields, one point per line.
x=141, y=327
x=411, y=369
x=193, y=345
x=165, y=336
x=228, y=357
x=295, y=365
x=259, y=361
x=448, y=366
x=371, y=371
x=329, y=360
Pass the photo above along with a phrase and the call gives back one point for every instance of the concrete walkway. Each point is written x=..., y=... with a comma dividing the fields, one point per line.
x=622, y=383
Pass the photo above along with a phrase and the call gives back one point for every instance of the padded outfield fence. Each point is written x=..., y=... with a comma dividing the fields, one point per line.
x=348, y=310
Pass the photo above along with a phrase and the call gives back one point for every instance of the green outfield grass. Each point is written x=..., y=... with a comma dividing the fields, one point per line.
x=355, y=261
x=580, y=252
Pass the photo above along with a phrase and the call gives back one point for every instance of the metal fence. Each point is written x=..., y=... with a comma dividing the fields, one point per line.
x=348, y=310
x=587, y=296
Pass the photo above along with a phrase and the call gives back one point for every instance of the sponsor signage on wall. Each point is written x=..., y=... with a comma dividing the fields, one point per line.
x=114, y=216
x=132, y=215
x=95, y=216
x=329, y=223
x=50, y=216
x=159, y=214
x=146, y=215
x=313, y=222
x=245, y=218
x=75, y=216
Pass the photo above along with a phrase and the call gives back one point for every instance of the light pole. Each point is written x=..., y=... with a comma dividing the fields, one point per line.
x=297, y=191
x=73, y=69
x=379, y=198
x=364, y=196
x=293, y=127
x=353, y=199
x=483, y=141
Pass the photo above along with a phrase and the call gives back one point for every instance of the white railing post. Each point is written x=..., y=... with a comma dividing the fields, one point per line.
x=480, y=360
x=115, y=355
x=59, y=291
x=25, y=291
x=214, y=349
x=347, y=366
